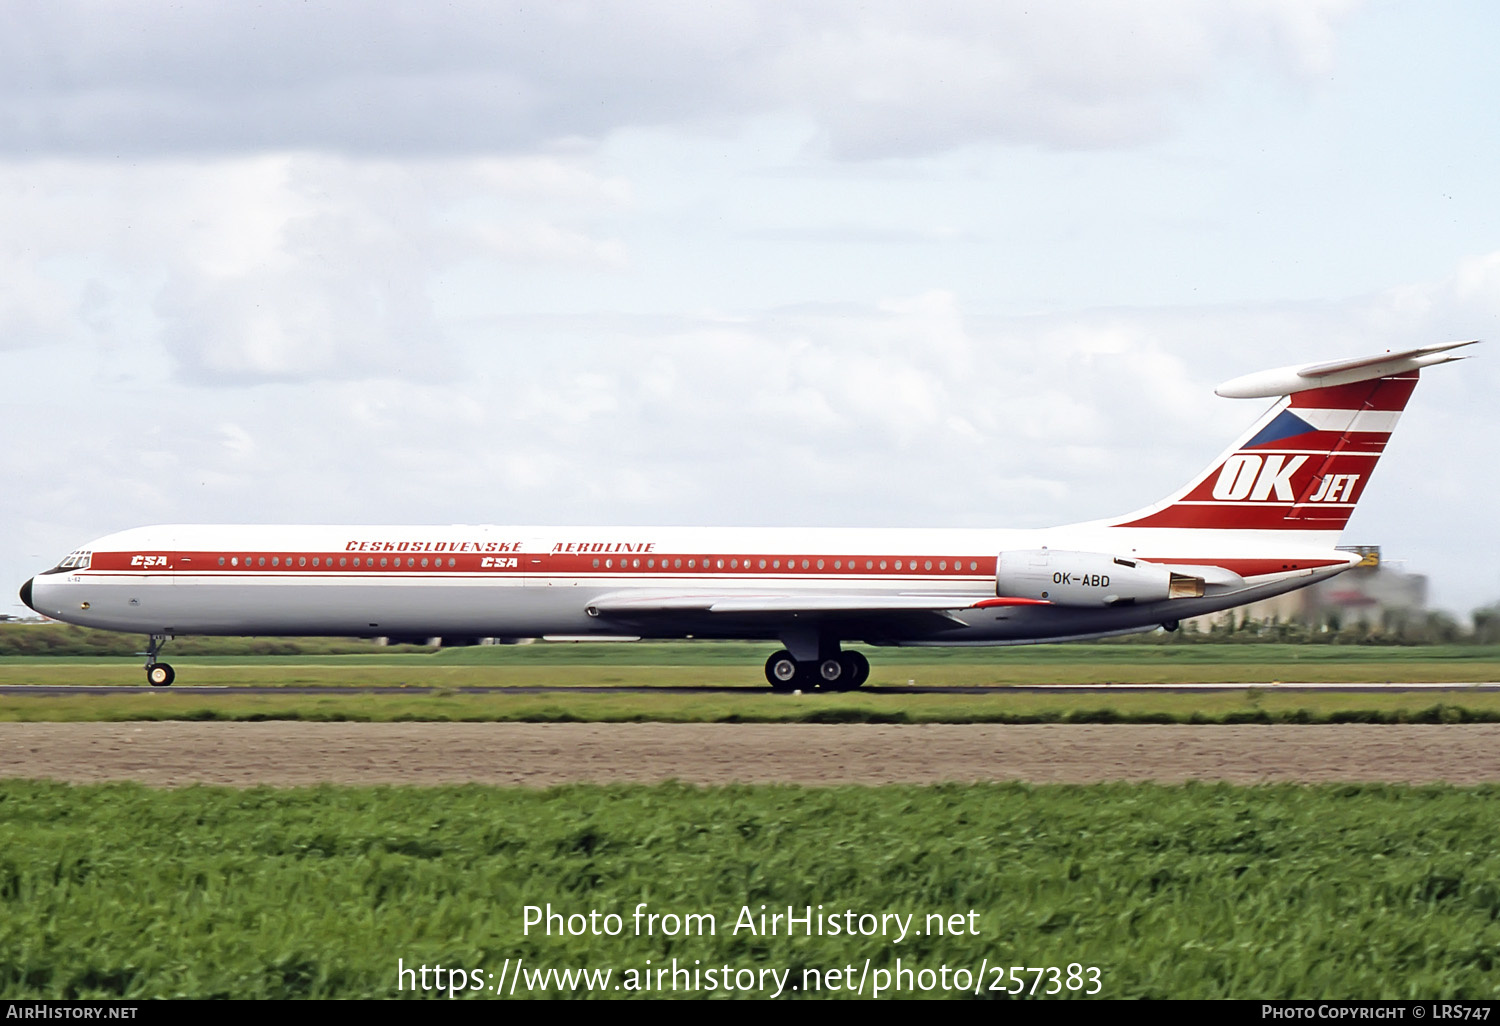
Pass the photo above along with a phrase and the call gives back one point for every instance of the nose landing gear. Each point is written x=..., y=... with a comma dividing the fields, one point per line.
x=158, y=675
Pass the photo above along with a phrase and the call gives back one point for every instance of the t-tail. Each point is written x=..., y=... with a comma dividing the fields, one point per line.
x=1305, y=464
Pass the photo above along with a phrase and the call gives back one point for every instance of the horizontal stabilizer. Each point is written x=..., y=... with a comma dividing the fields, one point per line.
x=1299, y=378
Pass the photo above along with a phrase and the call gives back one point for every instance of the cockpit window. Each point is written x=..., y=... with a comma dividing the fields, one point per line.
x=78, y=559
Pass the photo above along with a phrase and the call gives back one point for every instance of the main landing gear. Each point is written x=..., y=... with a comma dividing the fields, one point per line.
x=158, y=675
x=839, y=671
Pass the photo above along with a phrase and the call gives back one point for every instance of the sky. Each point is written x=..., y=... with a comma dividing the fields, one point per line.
x=967, y=264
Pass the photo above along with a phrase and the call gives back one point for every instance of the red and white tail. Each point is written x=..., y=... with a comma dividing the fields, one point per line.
x=1305, y=464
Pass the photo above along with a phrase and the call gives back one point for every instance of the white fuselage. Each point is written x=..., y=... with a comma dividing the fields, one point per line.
x=582, y=582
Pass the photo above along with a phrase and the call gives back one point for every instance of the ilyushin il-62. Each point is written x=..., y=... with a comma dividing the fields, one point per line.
x=1262, y=519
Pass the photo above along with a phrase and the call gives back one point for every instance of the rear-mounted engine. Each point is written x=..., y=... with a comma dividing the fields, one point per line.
x=1089, y=578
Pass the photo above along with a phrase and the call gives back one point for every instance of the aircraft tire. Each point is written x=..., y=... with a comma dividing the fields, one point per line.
x=832, y=673
x=856, y=672
x=160, y=675
x=783, y=672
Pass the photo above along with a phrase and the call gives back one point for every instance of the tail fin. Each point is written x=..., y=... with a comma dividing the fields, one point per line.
x=1305, y=464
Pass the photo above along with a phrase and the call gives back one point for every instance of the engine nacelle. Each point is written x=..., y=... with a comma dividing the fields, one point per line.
x=1088, y=578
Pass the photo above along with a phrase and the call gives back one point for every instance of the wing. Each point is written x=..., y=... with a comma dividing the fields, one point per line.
x=872, y=617
x=637, y=603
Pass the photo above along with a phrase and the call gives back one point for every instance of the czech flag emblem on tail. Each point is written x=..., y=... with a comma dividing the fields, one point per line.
x=1304, y=465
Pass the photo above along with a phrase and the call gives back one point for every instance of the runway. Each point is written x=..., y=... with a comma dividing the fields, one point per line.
x=1388, y=687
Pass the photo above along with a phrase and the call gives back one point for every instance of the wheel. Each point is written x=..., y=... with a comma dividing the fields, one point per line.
x=849, y=678
x=160, y=675
x=831, y=673
x=781, y=671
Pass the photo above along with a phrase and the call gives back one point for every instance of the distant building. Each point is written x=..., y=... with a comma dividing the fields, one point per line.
x=1374, y=592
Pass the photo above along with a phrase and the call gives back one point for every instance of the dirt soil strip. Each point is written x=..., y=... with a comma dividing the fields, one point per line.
x=540, y=755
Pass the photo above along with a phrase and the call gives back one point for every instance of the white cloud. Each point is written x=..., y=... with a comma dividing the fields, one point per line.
x=880, y=79
x=280, y=267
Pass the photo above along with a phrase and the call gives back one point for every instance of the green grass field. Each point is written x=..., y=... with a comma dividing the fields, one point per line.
x=731, y=664
x=1194, y=891
x=1247, y=706
x=669, y=667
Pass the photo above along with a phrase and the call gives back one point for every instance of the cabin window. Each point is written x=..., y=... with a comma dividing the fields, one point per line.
x=221, y=560
x=261, y=561
x=820, y=564
x=424, y=561
x=805, y=564
x=596, y=562
x=927, y=565
x=384, y=561
x=452, y=561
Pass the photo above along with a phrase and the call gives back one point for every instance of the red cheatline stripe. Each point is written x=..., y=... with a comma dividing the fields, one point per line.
x=544, y=563
x=1247, y=517
x=204, y=563
x=1252, y=567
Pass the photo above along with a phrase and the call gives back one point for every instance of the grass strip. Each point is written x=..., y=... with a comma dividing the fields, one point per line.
x=1196, y=891
x=1227, y=707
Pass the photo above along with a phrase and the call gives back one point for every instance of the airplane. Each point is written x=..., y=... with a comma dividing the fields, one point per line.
x=1260, y=520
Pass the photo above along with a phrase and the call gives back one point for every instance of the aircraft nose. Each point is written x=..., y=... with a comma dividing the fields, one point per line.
x=26, y=594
